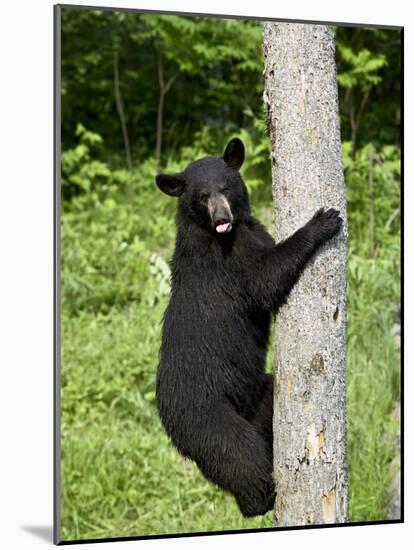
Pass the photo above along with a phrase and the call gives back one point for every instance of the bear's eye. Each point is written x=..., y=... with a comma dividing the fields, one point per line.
x=225, y=190
x=204, y=197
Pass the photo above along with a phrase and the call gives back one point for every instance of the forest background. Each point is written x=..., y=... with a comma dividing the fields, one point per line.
x=144, y=93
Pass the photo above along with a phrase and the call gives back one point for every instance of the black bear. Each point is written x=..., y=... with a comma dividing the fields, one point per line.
x=228, y=276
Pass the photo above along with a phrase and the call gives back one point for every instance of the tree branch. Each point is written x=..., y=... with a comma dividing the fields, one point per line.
x=163, y=90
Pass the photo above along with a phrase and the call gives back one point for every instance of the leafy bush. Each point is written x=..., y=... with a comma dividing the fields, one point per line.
x=78, y=167
x=112, y=237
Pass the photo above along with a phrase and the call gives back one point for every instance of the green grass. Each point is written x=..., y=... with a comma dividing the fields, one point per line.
x=121, y=475
x=373, y=383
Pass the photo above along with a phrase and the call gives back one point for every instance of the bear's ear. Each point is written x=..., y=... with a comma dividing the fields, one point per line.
x=171, y=184
x=234, y=153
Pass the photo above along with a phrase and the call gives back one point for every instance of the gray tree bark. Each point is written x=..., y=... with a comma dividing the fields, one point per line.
x=310, y=445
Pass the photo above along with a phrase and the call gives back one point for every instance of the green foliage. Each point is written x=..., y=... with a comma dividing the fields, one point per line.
x=121, y=475
x=216, y=62
x=79, y=170
x=114, y=242
x=369, y=67
x=373, y=198
x=363, y=68
x=373, y=357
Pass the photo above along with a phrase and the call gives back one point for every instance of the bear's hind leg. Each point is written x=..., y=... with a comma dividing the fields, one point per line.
x=235, y=457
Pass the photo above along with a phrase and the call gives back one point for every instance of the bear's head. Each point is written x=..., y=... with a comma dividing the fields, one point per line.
x=210, y=190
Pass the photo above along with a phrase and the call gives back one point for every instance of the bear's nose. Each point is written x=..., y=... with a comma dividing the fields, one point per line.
x=221, y=214
x=220, y=220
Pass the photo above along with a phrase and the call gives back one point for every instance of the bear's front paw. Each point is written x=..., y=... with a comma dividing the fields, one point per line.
x=326, y=224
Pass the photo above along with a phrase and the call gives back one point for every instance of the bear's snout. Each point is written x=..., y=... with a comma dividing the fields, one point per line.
x=220, y=213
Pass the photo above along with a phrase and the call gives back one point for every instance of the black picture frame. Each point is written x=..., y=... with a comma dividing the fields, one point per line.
x=57, y=286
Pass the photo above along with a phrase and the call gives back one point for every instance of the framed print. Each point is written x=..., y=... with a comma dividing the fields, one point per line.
x=227, y=274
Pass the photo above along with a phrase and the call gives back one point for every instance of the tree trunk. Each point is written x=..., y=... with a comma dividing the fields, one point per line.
x=160, y=116
x=121, y=112
x=164, y=88
x=310, y=445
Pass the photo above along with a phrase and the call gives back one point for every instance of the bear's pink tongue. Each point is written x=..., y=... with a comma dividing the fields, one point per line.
x=223, y=228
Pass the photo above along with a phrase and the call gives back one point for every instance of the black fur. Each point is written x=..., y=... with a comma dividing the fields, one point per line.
x=213, y=396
